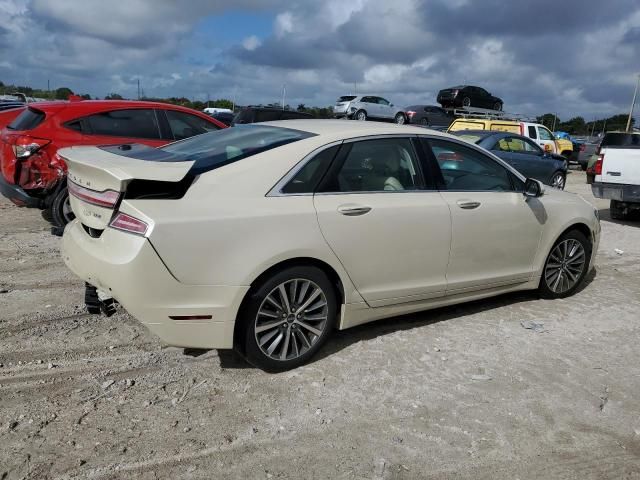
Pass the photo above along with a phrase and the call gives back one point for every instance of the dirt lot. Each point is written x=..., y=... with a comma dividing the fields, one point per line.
x=461, y=392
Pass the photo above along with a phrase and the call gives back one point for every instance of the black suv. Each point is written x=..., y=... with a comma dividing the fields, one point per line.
x=468, y=96
x=252, y=114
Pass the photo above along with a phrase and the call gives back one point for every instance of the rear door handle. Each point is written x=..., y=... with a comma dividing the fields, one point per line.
x=353, y=210
x=468, y=204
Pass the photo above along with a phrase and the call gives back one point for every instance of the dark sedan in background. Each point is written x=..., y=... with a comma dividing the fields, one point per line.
x=468, y=96
x=428, y=115
x=522, y=154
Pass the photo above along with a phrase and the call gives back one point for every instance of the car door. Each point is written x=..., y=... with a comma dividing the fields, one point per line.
x=391, y=233
x=440, y=117
x=134, y=125
x=495, y=229
x=385, y=109
x=546, y=140
x=370, y=105
x=529, y=159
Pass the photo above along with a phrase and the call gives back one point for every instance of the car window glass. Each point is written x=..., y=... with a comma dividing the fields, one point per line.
x=516, y=145
x=503, y=145
x=366, y=100
x=308, y=177
x=135, y=123
x=531, y=147
x=466, y=169
x=184, y=125
x=545, y=134
x=382, y=101
x=532, y=131
x=378, y=166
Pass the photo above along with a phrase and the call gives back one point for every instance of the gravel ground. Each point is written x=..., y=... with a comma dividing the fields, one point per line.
x=463, y=392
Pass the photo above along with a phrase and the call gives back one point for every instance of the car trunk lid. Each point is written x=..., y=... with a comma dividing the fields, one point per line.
x=620, y=154
x=98, y=177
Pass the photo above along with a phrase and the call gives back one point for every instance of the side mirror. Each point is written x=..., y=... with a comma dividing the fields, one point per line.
x=533, y=188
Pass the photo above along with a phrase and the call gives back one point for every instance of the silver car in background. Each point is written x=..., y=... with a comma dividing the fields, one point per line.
x=367, y=107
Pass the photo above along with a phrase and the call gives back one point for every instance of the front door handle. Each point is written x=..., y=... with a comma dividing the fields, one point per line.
x=468, y=204
x=353, y=210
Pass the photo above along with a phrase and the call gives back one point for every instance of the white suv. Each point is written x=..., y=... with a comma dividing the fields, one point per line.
x=618, y=173
x=365, y=107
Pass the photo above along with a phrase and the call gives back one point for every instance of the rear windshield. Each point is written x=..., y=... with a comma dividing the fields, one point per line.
x=471, y=138
x=621, y=140
x=346, y=98
x=27, y=120
x=215, y=149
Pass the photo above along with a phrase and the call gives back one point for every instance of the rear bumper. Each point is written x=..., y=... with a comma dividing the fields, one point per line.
x=18, y=196
x=616, y=191
x=128, y=268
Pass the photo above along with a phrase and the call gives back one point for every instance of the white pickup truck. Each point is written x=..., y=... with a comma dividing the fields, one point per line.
x=617, y=173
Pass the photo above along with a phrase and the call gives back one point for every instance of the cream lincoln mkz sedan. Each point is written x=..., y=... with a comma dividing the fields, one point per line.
x=266, y=237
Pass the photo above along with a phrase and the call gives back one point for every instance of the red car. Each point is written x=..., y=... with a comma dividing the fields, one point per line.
x=33, y=175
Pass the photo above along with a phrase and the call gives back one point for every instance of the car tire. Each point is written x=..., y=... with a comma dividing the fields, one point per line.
x=399, y=118
x=616, y=211
x=583, y=166
x=61, y=212
x=360, y=115
x=275, y=338
x=497, y=106
x=565, y=268
x=558, y=180
x=466, y=102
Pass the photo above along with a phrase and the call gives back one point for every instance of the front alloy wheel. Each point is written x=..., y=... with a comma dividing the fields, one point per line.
x=291, y=315
x=566, y=266
x=558, y=181
x=399, y=118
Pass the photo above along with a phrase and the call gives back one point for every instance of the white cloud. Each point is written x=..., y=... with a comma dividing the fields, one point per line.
x=251, y=43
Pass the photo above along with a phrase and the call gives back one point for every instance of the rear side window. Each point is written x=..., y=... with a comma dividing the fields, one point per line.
x=135, y=123
x=308, y=177
x=27, y=120
x=532, y=132
x=184, y=125
x=346, y=98
x=621, y=140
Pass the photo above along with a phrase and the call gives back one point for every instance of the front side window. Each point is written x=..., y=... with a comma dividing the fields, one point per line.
x=381, y=165
x=308, y=177
x=134, y=123
x=545, y=134
x=382, y=101
x=184, y=125
x=466, y=169
x=532, y=132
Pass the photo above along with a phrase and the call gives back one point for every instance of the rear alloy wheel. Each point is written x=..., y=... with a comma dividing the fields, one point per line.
x=566, y=266
x=466, y=102
x=497, y=106
x=558, y=180
x=288, y=318
x=361, y=115
x=399, y=118
x=61, y=212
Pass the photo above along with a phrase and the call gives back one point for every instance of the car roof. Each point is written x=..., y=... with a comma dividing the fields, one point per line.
x=92, y=104
x=349, y=128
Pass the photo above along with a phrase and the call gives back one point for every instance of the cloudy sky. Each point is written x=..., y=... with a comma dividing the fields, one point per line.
x=576, y=57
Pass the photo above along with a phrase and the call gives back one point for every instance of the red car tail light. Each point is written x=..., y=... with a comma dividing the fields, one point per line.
x=521, y=128
x=410, y=113
x=106, y=198
x=130, y=224
x=598, y=166
x=24, y=146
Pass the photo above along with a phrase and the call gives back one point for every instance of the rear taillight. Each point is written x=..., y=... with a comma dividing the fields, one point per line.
x=598, y=166
x=130, y=224
x=521, y=128
x=24, y=147
x=410, y=113
x=106, y=198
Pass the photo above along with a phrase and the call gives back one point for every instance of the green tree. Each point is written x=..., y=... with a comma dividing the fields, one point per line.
x=222, y=103
x=63, y=93
x=113, y=96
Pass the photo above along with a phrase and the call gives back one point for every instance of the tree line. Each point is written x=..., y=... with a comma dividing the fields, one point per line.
x=579, y=126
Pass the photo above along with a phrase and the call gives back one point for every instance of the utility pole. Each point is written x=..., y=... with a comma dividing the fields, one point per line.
x=138, y=89
x=604, y=125
x=207, y=100
x=233, y=105
x=284, y=90
x=555, y=118
x=633, y=104
x=355, y=88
